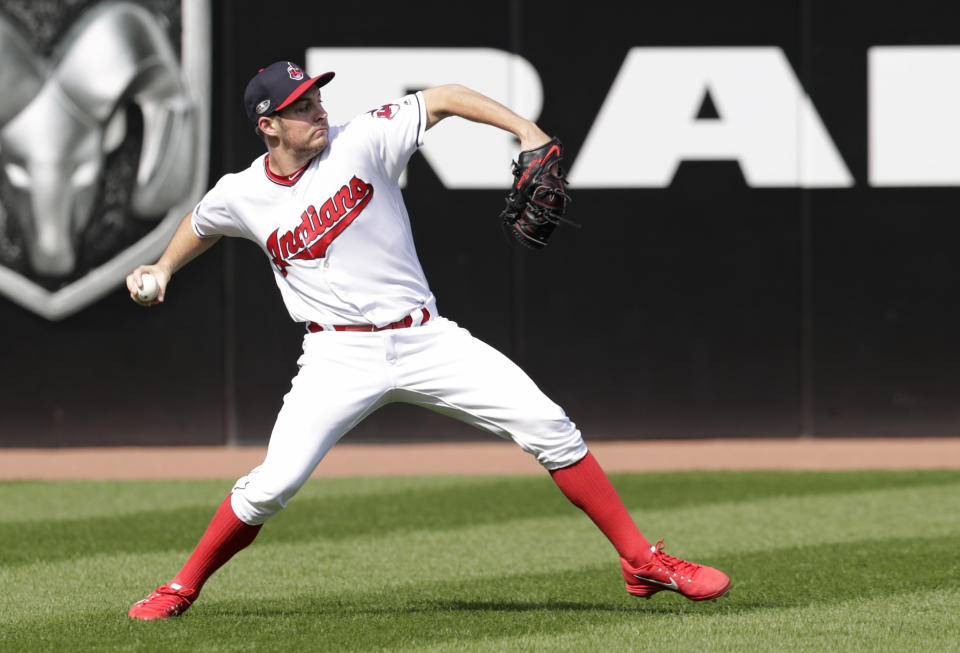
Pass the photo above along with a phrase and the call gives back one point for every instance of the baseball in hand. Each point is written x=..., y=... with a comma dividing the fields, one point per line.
x=148, y=288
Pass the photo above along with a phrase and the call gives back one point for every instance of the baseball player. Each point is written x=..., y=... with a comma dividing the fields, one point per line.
x=324, y=205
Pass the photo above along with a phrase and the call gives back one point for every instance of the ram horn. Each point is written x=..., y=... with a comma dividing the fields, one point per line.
x=55, y=148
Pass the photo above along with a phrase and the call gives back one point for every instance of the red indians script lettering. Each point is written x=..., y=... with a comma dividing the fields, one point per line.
x=319, y=227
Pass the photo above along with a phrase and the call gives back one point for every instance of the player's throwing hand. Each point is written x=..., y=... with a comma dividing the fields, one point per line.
x=147, y=284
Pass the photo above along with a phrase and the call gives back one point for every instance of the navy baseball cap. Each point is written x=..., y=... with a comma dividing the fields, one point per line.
x=276, y=86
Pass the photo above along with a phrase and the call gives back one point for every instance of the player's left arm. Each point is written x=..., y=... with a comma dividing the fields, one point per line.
x=457, y=100
x=184, y=246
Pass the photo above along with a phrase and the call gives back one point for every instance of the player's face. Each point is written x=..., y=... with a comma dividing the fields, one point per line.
x=302, y=126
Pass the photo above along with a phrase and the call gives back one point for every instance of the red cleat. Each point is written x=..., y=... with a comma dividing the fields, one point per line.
x=164, y=602
x=664, y=572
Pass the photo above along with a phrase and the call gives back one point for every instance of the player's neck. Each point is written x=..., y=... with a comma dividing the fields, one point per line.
x=283, y=162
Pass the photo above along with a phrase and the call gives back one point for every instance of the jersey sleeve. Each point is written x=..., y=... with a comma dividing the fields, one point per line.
x=396, y=130
x=212, y=215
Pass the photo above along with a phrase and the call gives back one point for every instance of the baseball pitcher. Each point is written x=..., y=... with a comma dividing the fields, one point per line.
x=324, y=204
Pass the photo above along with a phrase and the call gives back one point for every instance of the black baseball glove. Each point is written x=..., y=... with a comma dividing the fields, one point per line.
x=538, y=198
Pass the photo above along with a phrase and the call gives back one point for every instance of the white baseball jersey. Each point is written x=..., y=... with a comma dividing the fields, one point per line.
x=337, y=232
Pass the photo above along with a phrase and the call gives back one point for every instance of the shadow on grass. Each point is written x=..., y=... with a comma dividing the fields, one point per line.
x=308, y=607
x=774, y=579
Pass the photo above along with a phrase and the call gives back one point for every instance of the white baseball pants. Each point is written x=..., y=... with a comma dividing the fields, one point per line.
x=345, y=376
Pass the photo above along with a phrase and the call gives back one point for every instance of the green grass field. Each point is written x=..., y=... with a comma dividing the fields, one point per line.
x=866, y=561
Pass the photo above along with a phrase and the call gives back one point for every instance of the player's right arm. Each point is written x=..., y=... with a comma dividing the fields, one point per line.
x=184, y=246
x=458, y=100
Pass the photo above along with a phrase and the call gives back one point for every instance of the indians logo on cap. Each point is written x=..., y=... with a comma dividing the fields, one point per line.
x=295, y=73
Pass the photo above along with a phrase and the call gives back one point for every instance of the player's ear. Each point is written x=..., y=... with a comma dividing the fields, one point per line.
x=267, y=125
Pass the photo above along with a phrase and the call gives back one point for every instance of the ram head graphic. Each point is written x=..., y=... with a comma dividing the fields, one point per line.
x=61, y=118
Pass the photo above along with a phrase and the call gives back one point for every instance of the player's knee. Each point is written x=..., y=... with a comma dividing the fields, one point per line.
x=559, y=446
x=257, y=511
x=563, y=454
x=255, y=501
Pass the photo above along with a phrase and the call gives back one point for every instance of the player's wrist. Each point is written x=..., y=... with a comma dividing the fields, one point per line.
x=164, y=268
x=531, y=136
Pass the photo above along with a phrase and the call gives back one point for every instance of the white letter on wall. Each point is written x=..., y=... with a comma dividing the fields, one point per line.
x=648, y=123
x=914, y=121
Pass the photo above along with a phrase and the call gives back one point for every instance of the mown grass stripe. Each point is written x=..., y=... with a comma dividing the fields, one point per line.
x=424, y=509
x=23, y=501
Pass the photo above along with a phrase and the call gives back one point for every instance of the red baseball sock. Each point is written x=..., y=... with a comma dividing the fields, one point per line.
x=224, y=537
x=588, y=488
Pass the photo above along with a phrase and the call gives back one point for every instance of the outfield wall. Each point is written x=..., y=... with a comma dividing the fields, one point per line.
x=767, y=193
